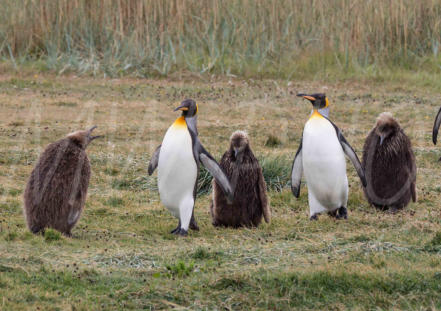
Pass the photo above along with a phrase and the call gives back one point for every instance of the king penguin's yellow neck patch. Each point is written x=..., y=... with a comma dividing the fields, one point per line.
x=315, y=114
x=180, y=123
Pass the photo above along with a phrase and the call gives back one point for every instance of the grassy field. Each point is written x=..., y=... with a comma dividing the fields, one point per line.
x=122, y=255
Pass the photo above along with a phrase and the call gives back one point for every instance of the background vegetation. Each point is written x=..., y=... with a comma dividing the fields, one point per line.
x=253, y=38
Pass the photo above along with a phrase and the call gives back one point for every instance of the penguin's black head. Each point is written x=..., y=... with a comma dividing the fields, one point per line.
x=318, y=100
x=188, y=107
x=386, y=126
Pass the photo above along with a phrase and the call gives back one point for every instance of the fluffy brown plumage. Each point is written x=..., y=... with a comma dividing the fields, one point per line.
x=389, y=165
x=56, y=190
x=250, y=199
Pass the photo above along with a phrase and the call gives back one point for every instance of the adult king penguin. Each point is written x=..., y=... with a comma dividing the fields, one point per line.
x=436, y=128
x=321, y=158
x=177, y=159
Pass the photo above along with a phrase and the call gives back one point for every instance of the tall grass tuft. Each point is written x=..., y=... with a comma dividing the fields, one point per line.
x=283, y=38
x=276, y=171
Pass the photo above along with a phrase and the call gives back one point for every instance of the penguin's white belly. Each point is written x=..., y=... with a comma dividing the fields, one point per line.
x=324, y=166
x=177, y=169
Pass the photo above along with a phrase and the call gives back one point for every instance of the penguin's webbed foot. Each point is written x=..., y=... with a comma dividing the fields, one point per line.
x=342, y=213
x=175, y=230
x=181, y=232
x=313, y=217
x=38, y=230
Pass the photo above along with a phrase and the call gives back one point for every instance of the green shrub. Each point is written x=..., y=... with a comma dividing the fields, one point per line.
x=51, y=235
x=273, y=141
x=11, y=236
x=180, y=269
x=203, y=253
x=115, y=201
x=435, y=243
x=276, y=172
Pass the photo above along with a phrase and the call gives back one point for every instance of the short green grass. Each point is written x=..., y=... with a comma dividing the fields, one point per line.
x=122, y=256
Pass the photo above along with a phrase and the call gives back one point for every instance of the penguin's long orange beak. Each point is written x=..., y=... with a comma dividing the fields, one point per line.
x=309, y=97
x=182, y=108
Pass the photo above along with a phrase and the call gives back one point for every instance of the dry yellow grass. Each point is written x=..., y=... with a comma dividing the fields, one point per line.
x=255, y=38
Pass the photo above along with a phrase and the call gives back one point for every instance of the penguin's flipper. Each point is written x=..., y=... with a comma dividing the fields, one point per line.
x=211, y=165
x=154, y=160
x=436, y=126
x=297, y=170
x=264, y=198
x=413, y=191
x=353, y=157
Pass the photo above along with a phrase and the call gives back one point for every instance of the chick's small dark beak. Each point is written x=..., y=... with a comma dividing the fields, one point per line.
x=236, y=152
x=92, y=128
x=381, y=139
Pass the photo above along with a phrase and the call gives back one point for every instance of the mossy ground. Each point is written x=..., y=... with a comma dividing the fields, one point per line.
x=122, y=255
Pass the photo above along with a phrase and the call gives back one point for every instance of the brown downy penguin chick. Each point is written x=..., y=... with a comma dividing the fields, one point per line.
x=250, y=199
x=56, y=191
x=389, y=165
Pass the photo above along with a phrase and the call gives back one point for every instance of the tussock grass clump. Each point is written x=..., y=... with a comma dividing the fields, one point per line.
x=11, y=236
x=253, y=38
x=180, y=269
x=115, y=201
x=12, y=207
x=51, y=235
x=273, y=141
x=204, y=181
x=202, y=253
x=135, y=183
x=276, y=171
x=436, y=239
x=231, y=283
x=435, y=243
x=6, y=269
x=65, y=104
x=111, y=171
x=15, y=192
